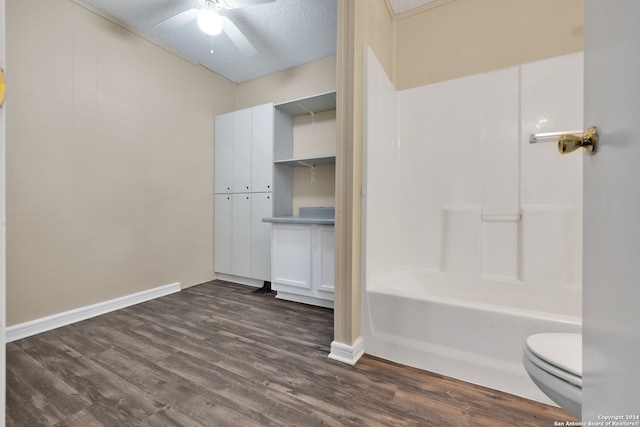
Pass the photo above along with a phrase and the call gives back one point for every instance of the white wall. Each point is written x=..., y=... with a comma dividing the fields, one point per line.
x=454, y=187
x=611, y=332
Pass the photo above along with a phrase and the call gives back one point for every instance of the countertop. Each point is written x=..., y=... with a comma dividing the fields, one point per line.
x=298, y=220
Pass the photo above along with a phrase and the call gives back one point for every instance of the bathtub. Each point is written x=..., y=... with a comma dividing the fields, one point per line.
x=472, y=236
x=471, y=332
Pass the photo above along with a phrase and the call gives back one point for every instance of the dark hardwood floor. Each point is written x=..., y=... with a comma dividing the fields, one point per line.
x=218, y=355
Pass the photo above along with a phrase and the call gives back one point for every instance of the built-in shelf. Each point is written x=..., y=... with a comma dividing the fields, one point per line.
x=310, y=105
x=307, y=161
x=285, y=162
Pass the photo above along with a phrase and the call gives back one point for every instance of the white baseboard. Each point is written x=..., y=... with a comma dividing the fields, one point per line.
x=44, y=324
x=349, y=354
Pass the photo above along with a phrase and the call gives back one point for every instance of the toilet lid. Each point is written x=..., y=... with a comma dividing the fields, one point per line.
x=564, y=351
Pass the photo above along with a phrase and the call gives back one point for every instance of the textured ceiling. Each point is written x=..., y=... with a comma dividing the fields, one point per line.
x=285, y=33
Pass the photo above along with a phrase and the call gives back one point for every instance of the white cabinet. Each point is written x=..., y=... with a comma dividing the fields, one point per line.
x=233, y=152
x=242, y=240
x=302, y=263
x=302, y=250
x=244, y=150
x=243, y=185
x=242, y=135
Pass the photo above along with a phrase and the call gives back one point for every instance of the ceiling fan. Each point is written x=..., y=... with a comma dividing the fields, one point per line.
x=211, y=22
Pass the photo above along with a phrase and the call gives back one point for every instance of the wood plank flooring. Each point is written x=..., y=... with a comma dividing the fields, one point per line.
x=219, y=355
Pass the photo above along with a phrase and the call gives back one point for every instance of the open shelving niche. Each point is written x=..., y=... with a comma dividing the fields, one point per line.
x=284, y=162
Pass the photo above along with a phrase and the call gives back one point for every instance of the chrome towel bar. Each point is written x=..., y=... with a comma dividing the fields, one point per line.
x=534, y=137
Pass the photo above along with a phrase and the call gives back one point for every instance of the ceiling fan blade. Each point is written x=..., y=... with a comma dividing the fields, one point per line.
x=236, y=36
x=234, y=4
x=176, y=21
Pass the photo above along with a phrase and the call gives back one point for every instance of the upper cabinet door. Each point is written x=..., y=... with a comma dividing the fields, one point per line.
x=241, y=168
x=262, y=148
x=223, y=153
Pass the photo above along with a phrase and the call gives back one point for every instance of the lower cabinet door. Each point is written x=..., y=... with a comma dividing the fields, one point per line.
x=223, y=233
x=261, y=207
x=324, y=260
x=291, y=257
x=241, y=229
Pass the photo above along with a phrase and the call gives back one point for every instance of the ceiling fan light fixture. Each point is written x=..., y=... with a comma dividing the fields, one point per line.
x=209, y=20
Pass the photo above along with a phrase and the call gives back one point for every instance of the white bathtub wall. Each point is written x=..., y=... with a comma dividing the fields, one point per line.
x=461, y=242
x=463, y=190
x=459, y=148
x=551, y=189
x=440, y=132
x=500, y=151
x=500, y=175
x=380, y=169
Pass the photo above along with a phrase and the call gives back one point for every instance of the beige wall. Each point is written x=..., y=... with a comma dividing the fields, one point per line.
x=109, y=161
x=454, y=38
x=376, y=28
x=298, y=82
x=314, y=137
x=317, y=191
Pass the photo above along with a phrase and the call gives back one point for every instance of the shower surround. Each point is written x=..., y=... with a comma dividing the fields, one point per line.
x=473, y=236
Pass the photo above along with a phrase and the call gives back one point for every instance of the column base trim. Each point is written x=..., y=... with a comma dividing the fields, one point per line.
x=349, y=354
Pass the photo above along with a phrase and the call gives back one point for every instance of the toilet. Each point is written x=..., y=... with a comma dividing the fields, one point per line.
x=554, y=363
